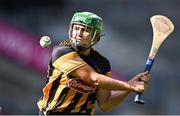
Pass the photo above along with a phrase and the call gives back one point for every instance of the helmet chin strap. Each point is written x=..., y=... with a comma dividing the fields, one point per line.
x=77, y=46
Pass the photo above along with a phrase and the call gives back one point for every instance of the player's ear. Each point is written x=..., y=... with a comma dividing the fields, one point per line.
x=95, y=39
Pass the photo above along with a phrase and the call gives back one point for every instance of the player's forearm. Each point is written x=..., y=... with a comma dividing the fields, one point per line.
x=88, y=75
x=105, y=82
x=114, y=100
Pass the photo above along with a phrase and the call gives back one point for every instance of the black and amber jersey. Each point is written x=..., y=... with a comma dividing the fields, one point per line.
x=65, y=94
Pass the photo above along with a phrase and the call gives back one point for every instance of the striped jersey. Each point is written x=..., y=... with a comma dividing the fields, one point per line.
x=65, y=94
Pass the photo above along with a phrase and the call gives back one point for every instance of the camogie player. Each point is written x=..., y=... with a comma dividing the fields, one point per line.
x=78, y=75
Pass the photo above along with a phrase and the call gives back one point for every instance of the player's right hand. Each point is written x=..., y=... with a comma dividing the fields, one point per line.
x=139, y=82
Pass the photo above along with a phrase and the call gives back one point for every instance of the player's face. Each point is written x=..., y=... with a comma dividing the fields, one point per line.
x=82, y=34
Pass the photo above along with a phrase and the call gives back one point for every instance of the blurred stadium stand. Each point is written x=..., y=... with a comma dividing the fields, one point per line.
x=128, y=34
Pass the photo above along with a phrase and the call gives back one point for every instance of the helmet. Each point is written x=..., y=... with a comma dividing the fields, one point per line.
x=87, y=19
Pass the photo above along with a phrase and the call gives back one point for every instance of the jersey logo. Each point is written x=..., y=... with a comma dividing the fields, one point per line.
x=80, y=86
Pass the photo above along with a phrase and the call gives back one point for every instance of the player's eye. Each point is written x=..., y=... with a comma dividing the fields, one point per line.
x=76, y=28
x=83, y=29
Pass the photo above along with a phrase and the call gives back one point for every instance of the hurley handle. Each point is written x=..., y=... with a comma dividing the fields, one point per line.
x=138, y=98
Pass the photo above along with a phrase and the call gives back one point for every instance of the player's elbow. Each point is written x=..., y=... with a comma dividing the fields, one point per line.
x=87, y=75
x=90, y=77
x=96, y=79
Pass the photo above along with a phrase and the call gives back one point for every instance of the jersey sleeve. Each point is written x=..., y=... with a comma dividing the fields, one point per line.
x=108, y=71
x=66, y=59
x=106, y=65
x=109, y=74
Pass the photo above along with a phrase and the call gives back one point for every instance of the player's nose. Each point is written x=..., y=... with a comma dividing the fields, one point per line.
x=80, y=32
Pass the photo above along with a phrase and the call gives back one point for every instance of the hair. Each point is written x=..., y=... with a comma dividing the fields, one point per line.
x=65, y=42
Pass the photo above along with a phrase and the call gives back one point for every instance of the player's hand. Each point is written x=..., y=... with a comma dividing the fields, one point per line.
x=139, y=82
x=140, y=87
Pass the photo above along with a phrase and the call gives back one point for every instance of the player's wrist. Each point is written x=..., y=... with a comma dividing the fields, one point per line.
x=131, y=88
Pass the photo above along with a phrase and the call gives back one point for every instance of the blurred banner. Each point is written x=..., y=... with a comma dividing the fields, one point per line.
x=23, y=48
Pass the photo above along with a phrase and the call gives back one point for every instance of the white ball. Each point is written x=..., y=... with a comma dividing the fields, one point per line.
x=45, y=41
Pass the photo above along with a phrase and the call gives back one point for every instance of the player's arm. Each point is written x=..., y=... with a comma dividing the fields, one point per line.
x=107, y=100
x=88, y=75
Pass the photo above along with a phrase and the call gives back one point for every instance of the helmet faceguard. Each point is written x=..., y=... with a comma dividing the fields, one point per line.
x=89, y=20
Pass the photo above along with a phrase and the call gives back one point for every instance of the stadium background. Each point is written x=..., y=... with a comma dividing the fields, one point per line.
x=127, y=40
